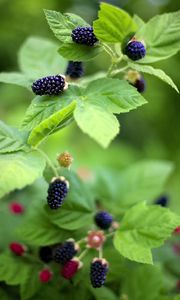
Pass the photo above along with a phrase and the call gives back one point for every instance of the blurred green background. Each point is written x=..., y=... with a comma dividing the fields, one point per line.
x=149, y=132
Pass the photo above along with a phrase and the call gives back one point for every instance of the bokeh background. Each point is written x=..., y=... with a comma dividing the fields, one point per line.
x=149, y=132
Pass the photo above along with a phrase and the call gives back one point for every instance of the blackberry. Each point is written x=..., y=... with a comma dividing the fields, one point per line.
x=98, y=272
x=65, y=252
x=135, y=50
x=103, y=220
x=162, y=201
x=84, y=35
x=70, y=268
x=140, y=84
x=75, y=69
x=45, y=254
x=50, y=85
x=57, y=192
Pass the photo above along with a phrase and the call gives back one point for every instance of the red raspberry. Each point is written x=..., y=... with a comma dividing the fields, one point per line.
x=70, y=268
x=16, y=208
x=17, y=248
x=45, y=275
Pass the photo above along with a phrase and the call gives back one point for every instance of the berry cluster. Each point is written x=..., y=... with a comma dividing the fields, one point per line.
x=57, y=192
x=84, y=35
x=49, y=85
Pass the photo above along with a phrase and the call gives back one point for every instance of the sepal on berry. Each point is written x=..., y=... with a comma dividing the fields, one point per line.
x=95, y=239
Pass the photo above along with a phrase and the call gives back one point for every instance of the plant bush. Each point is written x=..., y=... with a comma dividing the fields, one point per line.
x=91, y=236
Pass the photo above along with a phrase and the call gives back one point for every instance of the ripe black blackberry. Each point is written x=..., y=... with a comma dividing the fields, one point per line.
x=45, y=254
x=140, y=84
x=135, y=50
x=84, y=35
x=65, y=252
x=136, y=80
x=75, y=69
x=162, y=201
x=49, y=85
x=57, y=192
x=103, y=220
x=98, y=272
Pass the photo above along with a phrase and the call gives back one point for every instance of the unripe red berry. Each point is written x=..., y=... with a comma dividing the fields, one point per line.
x=70, y=268
x=177, y=230
x=16, y=208
x=45, y=275
x=17, y=248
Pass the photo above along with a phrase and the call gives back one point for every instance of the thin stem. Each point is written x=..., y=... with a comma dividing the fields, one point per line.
x=115, y=72
x=109, y=50
x=49, y=162
x=101, y=252
x=83, y=240
x=110, y=234
x=81, y=256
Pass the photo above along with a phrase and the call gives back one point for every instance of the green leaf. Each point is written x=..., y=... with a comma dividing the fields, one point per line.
x=80, y=196
x=98, y=123
x=70, y=219
x=162, y=37
x=19, y=169
x=49, y=125
x=103, y=293
x=4, y=295
x=42, y=107
x=100, y=99
x=11, y=139
x=15, y=78
x=113, y=24
x=142, y=228
x=143, y=282
x=143, y=181
x=116, y=96
x=138, y=21
x=63, y=24
x=78, y=52
x=30, y=283
x=38, y=57
x=12, y=269
x=37, y=230
x=156, y=72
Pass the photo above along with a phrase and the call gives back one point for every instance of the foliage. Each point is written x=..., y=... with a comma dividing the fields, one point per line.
x=129, y=193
